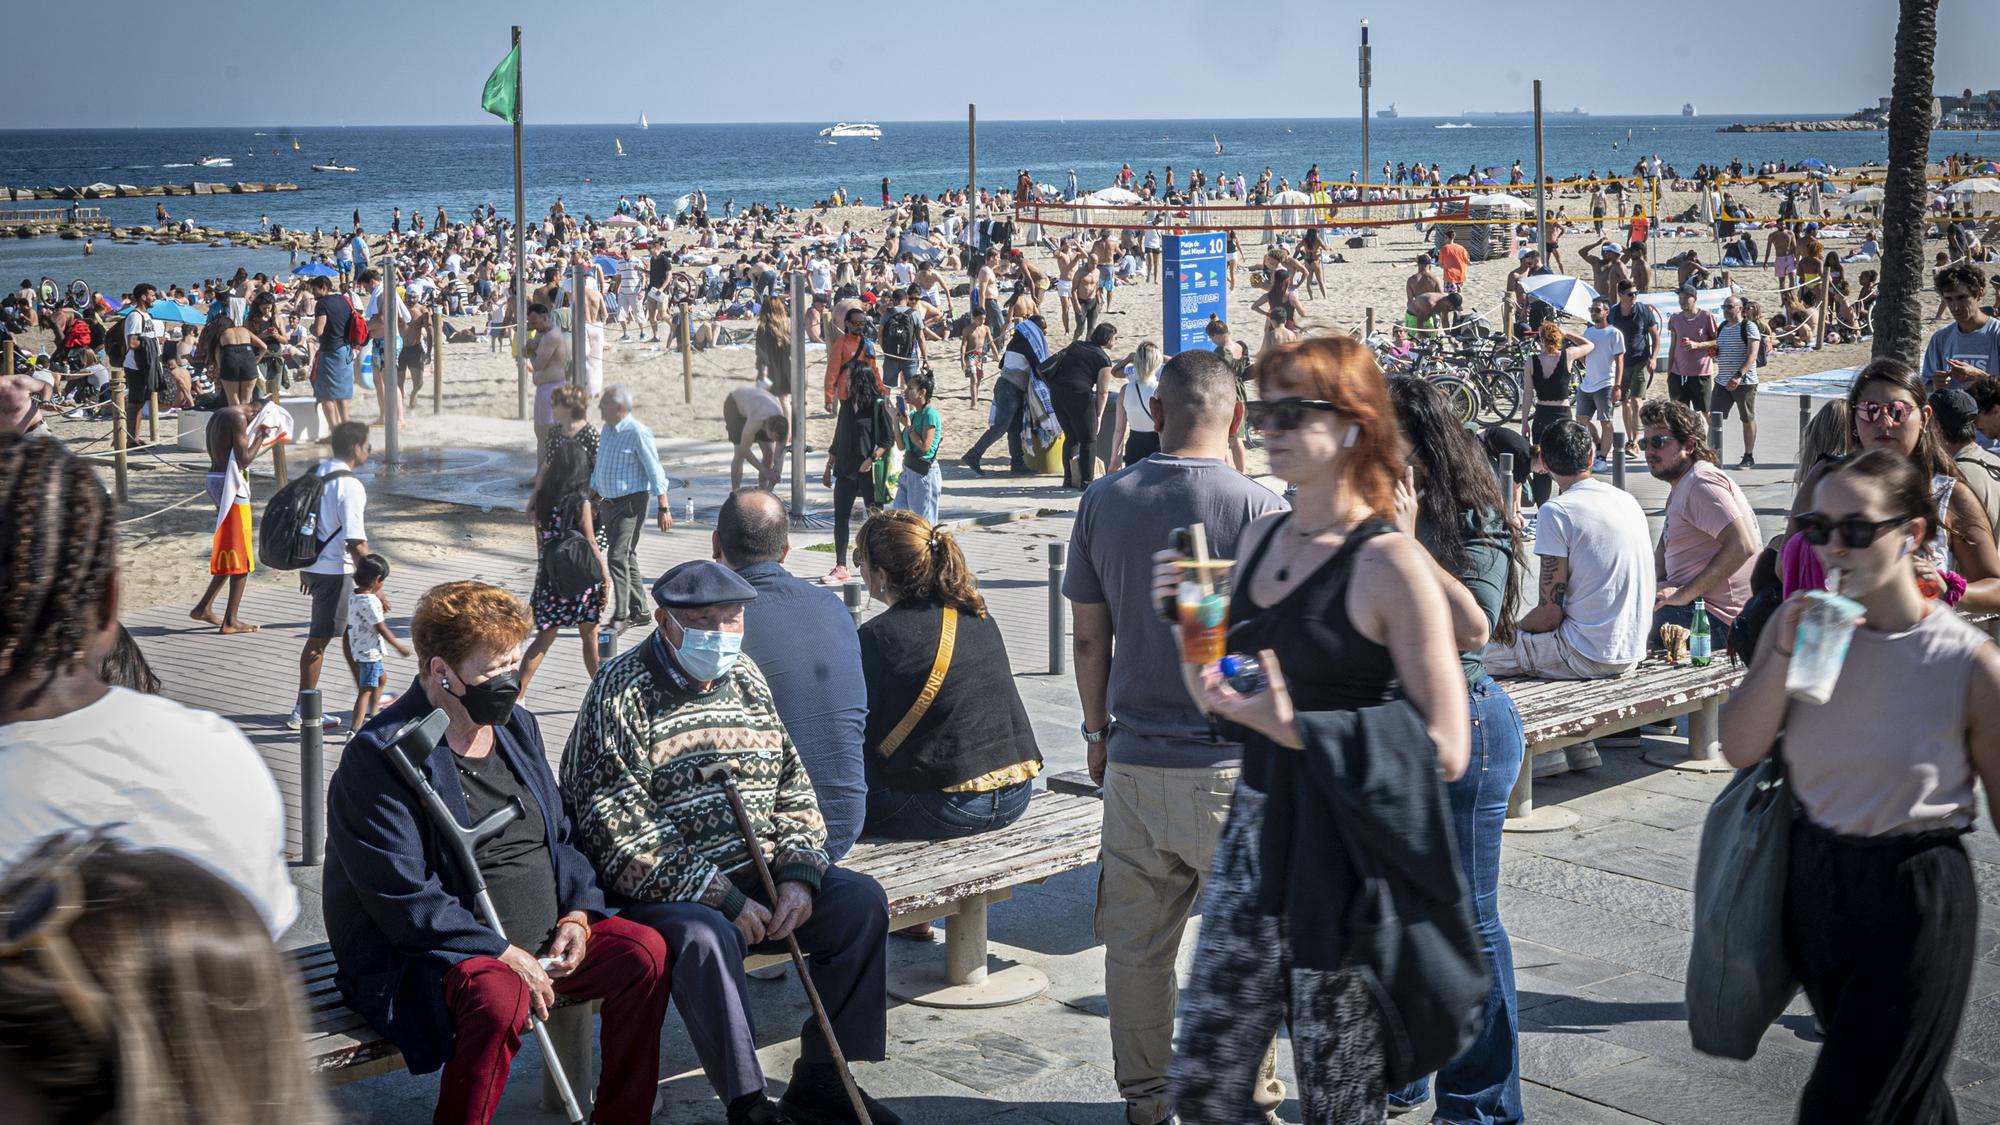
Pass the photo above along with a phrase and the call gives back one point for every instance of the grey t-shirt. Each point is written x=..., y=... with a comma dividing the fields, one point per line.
x=1979, y=347
x=1123, y=519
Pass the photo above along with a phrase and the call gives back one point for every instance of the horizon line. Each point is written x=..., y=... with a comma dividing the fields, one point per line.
x=1561, y=112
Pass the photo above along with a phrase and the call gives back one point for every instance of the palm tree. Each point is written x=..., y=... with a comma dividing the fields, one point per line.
x=1899, y=312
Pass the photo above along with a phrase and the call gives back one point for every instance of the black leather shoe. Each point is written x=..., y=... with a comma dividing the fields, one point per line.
x=816, y=1097
x=756, y=1109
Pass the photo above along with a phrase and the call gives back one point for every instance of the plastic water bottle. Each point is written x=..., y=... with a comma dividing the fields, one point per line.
x=1699, y=654
x=690, y=510
x=1244, y=673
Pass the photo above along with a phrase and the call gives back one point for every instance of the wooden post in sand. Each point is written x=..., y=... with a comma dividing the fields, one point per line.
x=1368, y=332
x=1365, y=176
x=437, y=363
x=117, y=430
x=687, y=353
x=152, y=417
x=272, y=385
x=8, y=369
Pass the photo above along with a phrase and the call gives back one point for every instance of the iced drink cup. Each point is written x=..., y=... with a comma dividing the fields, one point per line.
x=1204, y=620
x=1825, y=630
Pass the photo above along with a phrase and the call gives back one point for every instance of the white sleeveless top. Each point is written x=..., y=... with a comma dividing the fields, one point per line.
x=1886, y=754
x=1138, y=419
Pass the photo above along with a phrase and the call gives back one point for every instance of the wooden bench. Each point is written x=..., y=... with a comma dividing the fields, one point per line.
x=1560, y=713
x=923, y=879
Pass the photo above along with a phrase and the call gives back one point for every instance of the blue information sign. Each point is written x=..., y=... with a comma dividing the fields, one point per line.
x=1194, y=289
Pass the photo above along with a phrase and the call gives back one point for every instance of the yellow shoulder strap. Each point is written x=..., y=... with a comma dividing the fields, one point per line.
x=947, y=640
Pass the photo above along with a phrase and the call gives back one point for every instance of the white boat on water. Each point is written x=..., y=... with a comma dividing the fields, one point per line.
x=334, y=167
x=843, y=129
x=642, y=122
x=215, y=162
x=1687, y=109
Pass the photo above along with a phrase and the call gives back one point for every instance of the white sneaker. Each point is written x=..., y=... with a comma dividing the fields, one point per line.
x=295, y=720
x=1582, y=756
x=1552, y=763
x=769, y=972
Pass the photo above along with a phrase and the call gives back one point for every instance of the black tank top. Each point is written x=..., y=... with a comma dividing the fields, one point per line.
x=1550, y=386
x=1328, y=665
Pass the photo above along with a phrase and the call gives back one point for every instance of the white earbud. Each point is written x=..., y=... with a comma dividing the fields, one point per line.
x=1910, y=544
x=1353, y=435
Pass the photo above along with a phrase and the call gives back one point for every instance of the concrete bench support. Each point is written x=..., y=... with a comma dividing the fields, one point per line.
x=966, y=978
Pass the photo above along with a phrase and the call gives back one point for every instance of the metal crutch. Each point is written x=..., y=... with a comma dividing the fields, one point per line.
x=725, y=773
x=412, y=744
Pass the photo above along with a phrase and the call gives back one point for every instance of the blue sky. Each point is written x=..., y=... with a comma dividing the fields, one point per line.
x=243, y=62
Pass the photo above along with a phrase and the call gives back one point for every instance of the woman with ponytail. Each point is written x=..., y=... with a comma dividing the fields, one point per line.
x=949, y=748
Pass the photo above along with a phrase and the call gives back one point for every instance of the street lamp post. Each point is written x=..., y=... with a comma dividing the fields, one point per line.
x=1365, y=165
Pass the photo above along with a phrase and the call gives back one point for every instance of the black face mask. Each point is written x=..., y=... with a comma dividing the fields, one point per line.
x=490, y=702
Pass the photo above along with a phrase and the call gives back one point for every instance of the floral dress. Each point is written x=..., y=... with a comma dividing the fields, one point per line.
x=586, y=437
x=551, y=610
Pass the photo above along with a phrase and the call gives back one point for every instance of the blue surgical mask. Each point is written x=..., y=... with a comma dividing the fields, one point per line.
x=707, y=654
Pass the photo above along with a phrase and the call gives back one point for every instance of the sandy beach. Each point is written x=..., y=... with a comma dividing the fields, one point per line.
x=164, y=553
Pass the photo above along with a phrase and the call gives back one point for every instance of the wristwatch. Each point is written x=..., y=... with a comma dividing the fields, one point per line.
x=1095, y=736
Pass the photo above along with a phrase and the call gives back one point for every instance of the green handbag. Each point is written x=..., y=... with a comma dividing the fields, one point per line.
x=1739, y=980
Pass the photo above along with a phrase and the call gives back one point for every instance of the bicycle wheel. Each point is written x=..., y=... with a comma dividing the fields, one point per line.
x=1501, y=394
x=1462, y=397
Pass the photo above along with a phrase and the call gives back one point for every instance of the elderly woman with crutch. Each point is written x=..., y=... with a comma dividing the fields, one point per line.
x=448, y=964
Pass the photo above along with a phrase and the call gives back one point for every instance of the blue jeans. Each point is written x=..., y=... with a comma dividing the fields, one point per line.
x=1009, y=403
x=1482, y=1086
x=895, y=815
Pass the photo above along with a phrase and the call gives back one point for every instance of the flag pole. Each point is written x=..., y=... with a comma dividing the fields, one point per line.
x=520, y=253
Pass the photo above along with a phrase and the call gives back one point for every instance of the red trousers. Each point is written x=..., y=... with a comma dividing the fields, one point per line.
x=625, y=965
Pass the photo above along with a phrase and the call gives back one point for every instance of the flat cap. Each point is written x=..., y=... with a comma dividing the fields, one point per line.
x=701, y=582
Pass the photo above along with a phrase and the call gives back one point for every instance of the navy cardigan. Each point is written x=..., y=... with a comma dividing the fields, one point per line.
x=398, y=915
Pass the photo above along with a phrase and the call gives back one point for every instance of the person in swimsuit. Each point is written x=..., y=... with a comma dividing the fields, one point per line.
x=230, y=451
x=1345, y=613
x=237, y=351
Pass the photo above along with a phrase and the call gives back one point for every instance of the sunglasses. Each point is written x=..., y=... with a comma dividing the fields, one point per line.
x=1855, y=533
x=1275, y=414
x=1872, y=412
x=41, y=901
x=1658, y=441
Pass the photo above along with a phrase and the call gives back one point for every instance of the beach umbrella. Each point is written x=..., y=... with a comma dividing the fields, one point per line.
x=1501, y=199
x=174, y=312
x=683, y=203
x=618, y=221
x=1813, y=162
x=1112, y=195
x=1489, y=181
x=1566, y=293
x=1865, y=195
x=315, y=269
x=1987, y=169
x=607, y=263
x=1981, y=186
x=1291, y=197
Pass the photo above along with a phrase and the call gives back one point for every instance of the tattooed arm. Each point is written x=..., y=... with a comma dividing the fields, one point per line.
x=1554, y=594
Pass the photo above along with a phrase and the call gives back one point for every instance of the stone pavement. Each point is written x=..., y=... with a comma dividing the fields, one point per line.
x=1599, y=914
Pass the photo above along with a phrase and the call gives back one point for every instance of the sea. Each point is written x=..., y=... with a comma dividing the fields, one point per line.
x=418, y=168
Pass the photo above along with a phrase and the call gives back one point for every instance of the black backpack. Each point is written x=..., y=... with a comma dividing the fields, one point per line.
x=289, y=538
x=899, y=339
x=569, y=563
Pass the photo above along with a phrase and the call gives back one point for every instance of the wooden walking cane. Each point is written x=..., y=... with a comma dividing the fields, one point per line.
x=725, y=773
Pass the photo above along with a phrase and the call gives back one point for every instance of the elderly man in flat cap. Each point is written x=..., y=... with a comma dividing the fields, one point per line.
x=666, y=846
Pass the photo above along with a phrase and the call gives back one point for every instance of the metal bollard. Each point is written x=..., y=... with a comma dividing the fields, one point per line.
x=273, y=386
x=1715, y=432
x=118, y=434
x=312, y=779
x=1058, y=628
x=1617, y=459
x=1510, y=489
x=856, y=596
x=1805, y=415
x=607, y=643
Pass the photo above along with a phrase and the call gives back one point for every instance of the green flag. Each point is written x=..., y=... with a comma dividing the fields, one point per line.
x=502, y=98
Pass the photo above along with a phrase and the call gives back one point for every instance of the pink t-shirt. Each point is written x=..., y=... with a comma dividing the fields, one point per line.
x=1702, y=505
x=1697, y=326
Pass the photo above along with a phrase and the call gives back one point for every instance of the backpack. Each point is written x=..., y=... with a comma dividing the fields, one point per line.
x=357, y=328
x=898, y=338
x=569, y=563
x=289, y=538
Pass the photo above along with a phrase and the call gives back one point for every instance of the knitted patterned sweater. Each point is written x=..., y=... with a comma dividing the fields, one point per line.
x=653, y=832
